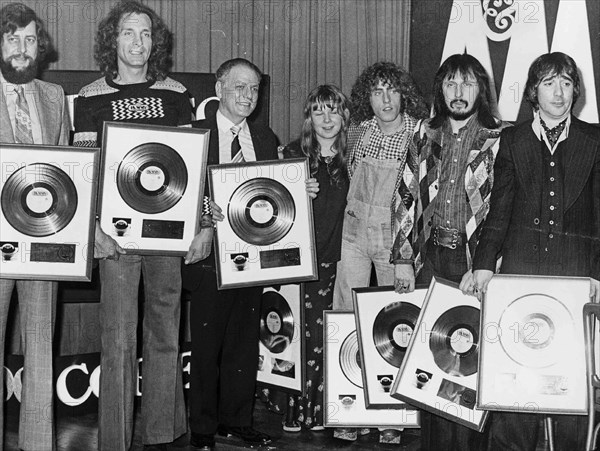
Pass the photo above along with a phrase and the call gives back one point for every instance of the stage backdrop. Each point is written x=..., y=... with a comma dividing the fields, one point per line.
x=506, y=36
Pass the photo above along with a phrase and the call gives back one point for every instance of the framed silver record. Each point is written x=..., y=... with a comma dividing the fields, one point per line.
x=281, y=346
x=439, y=371
x=533, y=355
x=48, y=208
x=343, y=392
x=385, y=322
x=267, y=236
x=152, y=184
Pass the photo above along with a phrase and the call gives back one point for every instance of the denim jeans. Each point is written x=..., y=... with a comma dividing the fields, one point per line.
x=37, y=311
x=367, y=233
x=163, y=410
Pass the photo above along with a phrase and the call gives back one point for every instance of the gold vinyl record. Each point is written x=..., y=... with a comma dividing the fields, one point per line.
x=454, y=341
x=350, y=359
x=261, y=211
x=392, y=329
x=535, y=330
x=39, y=200
x=152, y=178
x=276, y=322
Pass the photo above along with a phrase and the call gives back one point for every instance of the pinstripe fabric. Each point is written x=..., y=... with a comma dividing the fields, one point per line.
x=37, y=308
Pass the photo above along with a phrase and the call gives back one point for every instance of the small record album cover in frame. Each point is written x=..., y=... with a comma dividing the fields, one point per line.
x=343, y=392
x=439, y=370
x=281, y=347
x=152, y=184
x=48, y=197
x=533, y=355
x=385, y=322
x=267, y=236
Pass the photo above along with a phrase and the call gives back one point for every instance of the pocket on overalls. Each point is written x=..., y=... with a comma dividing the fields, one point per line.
x=352, y=226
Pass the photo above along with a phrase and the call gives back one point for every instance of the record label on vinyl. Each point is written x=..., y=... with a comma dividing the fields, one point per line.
x=39, y=200
x=273, y=322
x=152, y=178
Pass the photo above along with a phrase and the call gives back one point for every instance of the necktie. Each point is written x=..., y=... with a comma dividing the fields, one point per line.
x=22, y=118
x=236, y=149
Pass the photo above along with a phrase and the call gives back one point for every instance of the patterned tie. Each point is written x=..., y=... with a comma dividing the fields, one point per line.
x=236, y=149
x=22, y=118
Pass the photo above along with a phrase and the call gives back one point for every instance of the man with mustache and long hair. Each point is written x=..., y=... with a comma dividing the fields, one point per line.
x=31, y=112
x=447, y=202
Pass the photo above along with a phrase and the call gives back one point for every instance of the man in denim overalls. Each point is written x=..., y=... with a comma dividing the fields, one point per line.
x=385, y=108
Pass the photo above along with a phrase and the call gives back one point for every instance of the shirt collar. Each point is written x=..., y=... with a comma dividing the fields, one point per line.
x=539, y=132
x=224, y=124
x=373, y=124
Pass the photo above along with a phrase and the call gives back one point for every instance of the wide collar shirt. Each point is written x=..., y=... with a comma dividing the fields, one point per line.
x=540, y=133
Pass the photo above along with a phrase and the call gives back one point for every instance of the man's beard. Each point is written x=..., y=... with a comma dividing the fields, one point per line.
x=462, y=115
x=19, y=76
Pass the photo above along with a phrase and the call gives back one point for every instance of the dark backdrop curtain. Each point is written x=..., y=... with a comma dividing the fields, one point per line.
x=300, y=43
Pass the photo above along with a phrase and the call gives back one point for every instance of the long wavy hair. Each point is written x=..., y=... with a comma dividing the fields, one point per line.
x=105, y=50
x=392, y=75
x=550, y=64
x=18, y=15
x=326, y=96
x=466, y=65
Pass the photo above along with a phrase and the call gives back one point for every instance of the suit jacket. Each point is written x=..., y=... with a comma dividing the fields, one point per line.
x=513, y=228
x=52, y=110
x=265, y=148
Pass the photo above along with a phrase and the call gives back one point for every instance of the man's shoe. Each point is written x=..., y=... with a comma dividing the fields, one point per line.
x=248, y=434
x=204, y=442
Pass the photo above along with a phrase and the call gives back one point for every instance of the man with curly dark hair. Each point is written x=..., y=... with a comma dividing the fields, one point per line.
x=31, y=112
x=385, y=108
x=133, y=48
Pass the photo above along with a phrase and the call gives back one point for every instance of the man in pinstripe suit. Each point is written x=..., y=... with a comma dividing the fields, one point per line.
x=544, y=215
x=31, y=112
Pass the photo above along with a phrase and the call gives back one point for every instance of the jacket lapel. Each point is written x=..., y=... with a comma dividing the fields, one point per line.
x=6, y=131
x=580, y=151
x=528, y=162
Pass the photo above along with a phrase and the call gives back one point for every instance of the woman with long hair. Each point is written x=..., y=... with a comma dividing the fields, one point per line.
x=323, y=142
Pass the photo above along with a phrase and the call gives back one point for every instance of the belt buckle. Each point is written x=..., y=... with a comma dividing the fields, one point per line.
x=454, y=238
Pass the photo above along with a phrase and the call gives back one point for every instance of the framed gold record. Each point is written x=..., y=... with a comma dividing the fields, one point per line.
x=267, y=236
x=533, y=355
x=48, y=206
x=152, y=186
x=385, y=322
x=343, y=380
x=281, y=347
x=439, y=370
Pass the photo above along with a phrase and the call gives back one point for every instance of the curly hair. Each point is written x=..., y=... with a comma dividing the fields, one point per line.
x=326, y=96
x=551, y=65
x=105, y=50
x=467, y=66
x=392, y=75
x=18, y=15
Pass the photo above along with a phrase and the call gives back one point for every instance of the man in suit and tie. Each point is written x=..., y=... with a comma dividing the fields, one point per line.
x=225, y=324
x=544, y=216
x=31, y=112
